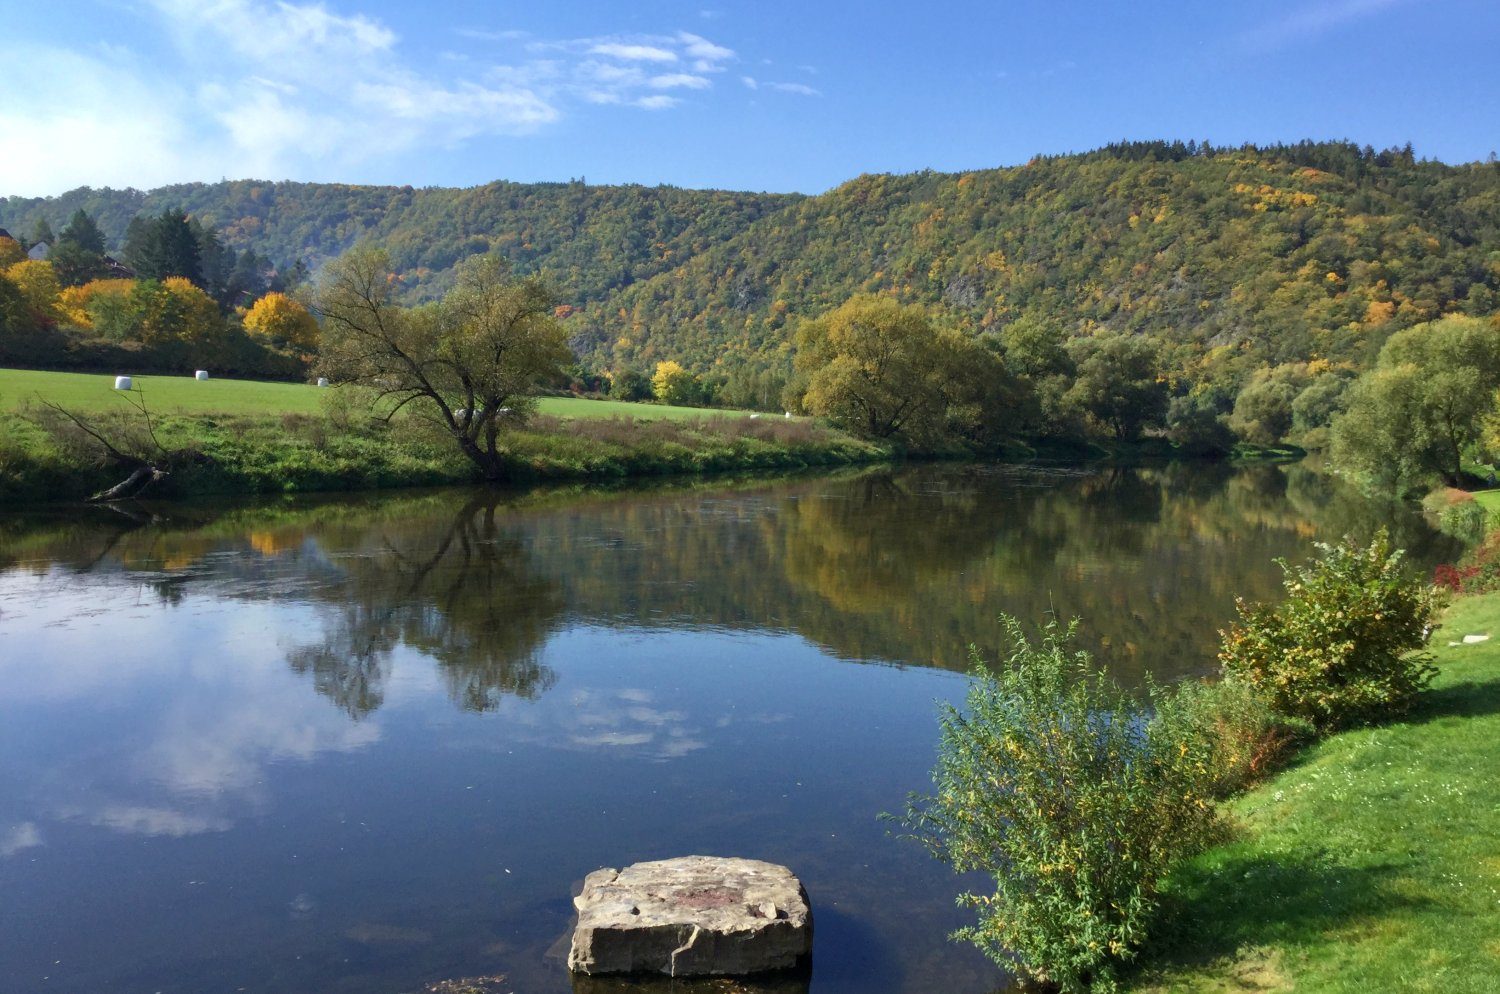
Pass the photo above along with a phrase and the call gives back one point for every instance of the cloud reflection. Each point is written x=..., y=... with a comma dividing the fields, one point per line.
x=22, y=837
x=629, y=721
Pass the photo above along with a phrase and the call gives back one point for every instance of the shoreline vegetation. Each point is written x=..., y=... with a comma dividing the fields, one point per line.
x=1366, y=863
x=1316, y=819
x=236, y=446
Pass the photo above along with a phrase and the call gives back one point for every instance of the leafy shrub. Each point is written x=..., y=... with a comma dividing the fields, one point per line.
x=1341, y=648
x=1234, y=725
x=1075, y=797
x=1477, y=573
x=1465, y=521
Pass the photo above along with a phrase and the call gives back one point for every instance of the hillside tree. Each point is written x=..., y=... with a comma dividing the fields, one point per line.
x=1119, y=383
x=1417, y=414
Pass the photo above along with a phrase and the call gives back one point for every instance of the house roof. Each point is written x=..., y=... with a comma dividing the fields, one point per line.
x=40, y=251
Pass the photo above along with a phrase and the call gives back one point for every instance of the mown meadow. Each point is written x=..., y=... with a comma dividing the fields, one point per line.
x=249, y=437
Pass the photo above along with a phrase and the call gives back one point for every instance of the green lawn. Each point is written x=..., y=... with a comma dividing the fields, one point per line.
x=1490, y=501
x=185, y=395
x=1371, y=866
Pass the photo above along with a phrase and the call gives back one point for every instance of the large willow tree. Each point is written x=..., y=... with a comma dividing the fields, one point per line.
x=1420, y=410
x=883, y=369
x=469, y=362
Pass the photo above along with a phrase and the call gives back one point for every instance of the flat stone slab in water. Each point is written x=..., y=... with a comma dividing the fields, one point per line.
x=691, y=917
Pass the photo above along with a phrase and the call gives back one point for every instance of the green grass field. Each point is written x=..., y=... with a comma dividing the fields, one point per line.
x=185, y=395
x=1372, y=865
x=1490, y=501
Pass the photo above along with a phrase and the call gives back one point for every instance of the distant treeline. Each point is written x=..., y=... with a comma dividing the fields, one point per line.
x=1272, y=271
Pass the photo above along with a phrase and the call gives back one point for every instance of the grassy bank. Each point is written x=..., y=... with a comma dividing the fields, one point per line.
x=299, y=453
x=1371, y=865
x=250, y=437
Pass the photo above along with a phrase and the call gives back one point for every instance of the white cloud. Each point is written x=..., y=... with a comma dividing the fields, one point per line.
x=698, y=47
x=277, y=89
x=657, y=102
x=679, y=80
x=636, y=53
x=91, y=119
x=479, y=35
x=801, y=89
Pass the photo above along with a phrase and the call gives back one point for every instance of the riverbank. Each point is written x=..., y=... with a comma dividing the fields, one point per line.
x=245, y=438
x=303, y=453
x=1371, y=864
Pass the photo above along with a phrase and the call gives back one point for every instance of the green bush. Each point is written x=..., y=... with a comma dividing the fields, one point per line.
x=1234, y=725
x=1075, y=797
x=1465, y=521
x=1341, y=649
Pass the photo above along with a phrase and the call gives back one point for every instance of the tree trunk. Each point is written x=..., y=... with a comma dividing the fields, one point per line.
x=491, y=467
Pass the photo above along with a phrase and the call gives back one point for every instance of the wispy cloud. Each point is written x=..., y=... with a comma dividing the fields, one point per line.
x=703, y=50
x=481, y=35
x=679, y=80
x=20, y=838
x=801, y=89
x=634, y=53
x=1311, y=20
x=296, y=88
x=659, y=102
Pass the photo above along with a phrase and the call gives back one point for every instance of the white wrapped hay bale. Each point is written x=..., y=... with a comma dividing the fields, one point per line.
x=201, y=374
x=322, y=381
x=122, y=383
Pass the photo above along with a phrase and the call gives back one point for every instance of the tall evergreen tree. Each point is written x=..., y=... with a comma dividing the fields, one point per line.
x=215, y=262
x=165, y=246
x=78, y=255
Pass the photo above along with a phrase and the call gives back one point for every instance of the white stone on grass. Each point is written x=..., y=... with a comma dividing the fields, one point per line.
x=690, y=917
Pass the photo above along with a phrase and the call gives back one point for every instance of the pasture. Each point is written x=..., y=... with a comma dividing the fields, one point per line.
x=94, y=392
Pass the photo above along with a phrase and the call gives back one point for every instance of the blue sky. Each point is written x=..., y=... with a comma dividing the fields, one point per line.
x=771, y=95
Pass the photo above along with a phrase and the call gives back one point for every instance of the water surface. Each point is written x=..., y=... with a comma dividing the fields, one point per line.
x=357, y=745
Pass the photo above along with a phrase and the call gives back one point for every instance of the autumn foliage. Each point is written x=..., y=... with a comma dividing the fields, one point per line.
x=278, y=318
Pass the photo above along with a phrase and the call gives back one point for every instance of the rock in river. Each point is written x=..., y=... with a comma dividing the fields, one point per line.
x=689, y=917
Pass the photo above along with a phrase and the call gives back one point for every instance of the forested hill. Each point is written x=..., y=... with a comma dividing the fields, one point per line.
x=1233, y=257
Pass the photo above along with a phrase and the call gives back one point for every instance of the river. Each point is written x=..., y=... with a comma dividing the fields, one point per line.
x=338, y=745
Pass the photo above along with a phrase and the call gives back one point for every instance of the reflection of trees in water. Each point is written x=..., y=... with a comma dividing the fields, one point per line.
x=456, y=585
x=352, y=663
x=907, y=566
x=1151, y=559
x=458, y=590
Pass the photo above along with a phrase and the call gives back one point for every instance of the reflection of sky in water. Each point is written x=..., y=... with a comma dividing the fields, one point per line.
x=188, y=818
x=364, y=753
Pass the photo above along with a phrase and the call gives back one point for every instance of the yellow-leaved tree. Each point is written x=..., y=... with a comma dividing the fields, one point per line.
x=75, y=301
x=282, y=320
x=11, y=253
x=38, y=285
x=884, y=369
x=191, y=314
x=674, y=385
